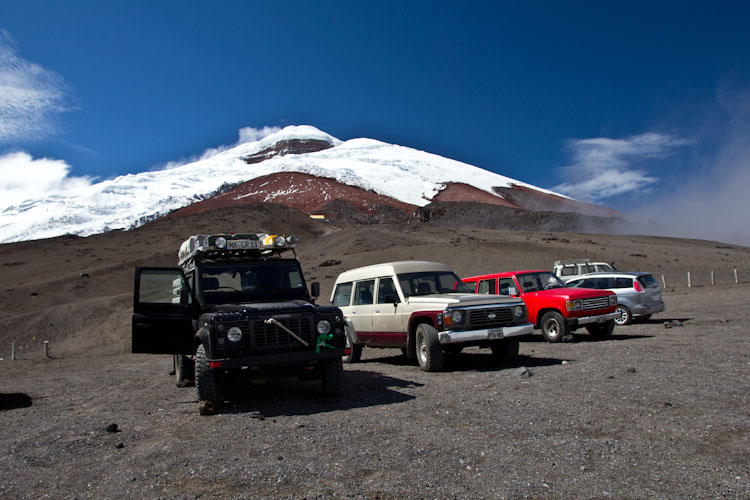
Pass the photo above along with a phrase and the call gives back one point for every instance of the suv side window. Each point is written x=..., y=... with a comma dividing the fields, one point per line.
x=363, y=293
x=568, y=271
x=343, y=294
x=486, y=286
x=623, y=283
x=386, y=288
x=506, y=286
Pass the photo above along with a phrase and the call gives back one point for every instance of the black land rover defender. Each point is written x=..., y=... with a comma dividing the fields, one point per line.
x=234, y=303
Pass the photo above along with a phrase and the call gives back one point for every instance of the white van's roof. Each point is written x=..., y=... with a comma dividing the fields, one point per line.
x=389, y=269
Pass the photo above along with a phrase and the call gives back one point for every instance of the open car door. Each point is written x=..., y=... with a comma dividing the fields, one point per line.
x=164, y=308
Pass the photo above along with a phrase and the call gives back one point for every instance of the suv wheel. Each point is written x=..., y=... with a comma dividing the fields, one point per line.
x=184, y=370
x=429, y=352
x=554, y=327
x=505, y=350
x=625, y=316
x=206, y=379
x=332, y=375
x=355, y=351
x=601, y=330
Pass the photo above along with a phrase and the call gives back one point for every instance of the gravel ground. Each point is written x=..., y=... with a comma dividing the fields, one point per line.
x=653, y=412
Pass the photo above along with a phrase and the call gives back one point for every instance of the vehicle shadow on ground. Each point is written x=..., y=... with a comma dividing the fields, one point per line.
x=585, y=337
x=471, y=361
x=14, y=401
x=288, y=397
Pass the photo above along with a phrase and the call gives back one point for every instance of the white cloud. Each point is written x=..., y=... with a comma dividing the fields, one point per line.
x=246, y=134
x=605, y=167
x=23, y=178
x=31, y=97
x=712, y=203
x=250, y=134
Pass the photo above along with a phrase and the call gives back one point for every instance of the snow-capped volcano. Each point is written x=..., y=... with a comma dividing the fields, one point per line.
x=404, y=174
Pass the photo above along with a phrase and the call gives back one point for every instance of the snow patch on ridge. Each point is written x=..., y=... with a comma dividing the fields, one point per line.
x=403, y=173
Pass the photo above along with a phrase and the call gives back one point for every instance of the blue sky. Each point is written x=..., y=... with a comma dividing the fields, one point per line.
x=619, y=103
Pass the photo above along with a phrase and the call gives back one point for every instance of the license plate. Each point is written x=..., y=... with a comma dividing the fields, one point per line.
x=495, y=333
x=243, y=244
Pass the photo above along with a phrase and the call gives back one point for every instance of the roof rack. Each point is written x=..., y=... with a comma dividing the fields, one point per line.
x=234, y=246
x=572, y=262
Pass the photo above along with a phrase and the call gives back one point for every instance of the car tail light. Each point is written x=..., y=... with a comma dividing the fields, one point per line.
x=637, y=286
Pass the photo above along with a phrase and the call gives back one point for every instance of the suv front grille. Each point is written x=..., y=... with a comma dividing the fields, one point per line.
x=271, y=337
x=595, y=303
x=482, y=318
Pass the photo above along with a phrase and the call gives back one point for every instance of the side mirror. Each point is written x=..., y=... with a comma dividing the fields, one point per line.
x=315, y=290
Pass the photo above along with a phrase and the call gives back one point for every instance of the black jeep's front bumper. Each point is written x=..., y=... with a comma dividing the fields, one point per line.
x=276, y=359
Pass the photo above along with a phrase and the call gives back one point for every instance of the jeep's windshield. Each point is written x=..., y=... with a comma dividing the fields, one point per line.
x=256, y=281
x=534, y=282
x=427, y=283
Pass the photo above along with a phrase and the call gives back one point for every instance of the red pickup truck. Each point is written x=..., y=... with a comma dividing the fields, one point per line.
x=552, y=307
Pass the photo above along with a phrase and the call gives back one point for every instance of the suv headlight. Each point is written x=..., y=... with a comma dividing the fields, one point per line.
x=519, y=312
x=234, y=334
x=324, y=326
x=220, y=242
x=612, y=300
x=453, y=318
x=574, y=305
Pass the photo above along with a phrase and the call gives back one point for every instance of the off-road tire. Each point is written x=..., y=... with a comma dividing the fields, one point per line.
x=601, y=330
x=429, y=351
x=505, y=350
x=625, y=316
x=355, y=350
x=554, y=327
x=184, y=370
x=332, y=377
x=206, y=379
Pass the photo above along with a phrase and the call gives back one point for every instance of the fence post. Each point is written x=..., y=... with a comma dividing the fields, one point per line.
x=712, y=279
x=46, y=348
x=690, y=285
x=12, y=350
x=663, y=281
x=736, y=276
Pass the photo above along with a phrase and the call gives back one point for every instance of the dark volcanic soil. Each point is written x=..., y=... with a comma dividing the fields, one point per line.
x=654, y=412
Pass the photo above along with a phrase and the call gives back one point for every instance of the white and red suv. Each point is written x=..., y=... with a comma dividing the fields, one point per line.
x=424, y=309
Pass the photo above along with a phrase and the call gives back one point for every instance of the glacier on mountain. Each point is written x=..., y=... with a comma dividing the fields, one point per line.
x=403, y=173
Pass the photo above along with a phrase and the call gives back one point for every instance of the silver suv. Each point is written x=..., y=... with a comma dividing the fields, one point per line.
x=638, y=293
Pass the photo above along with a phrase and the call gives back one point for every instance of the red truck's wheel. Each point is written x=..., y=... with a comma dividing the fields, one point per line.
x=554, y=327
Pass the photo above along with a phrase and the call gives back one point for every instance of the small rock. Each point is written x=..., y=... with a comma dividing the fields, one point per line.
x=331, y=262
x=84, y=275
x=631, y=370
x=565, y=361
x=676, y=323
x=523, y=372
x=112, y=428
x=120, y=446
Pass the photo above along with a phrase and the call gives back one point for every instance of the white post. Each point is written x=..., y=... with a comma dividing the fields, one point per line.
x=46, y=348
x=663, y=281
x=712, y=279
x=690, y=285
x=12, y=350
x=736, y=276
